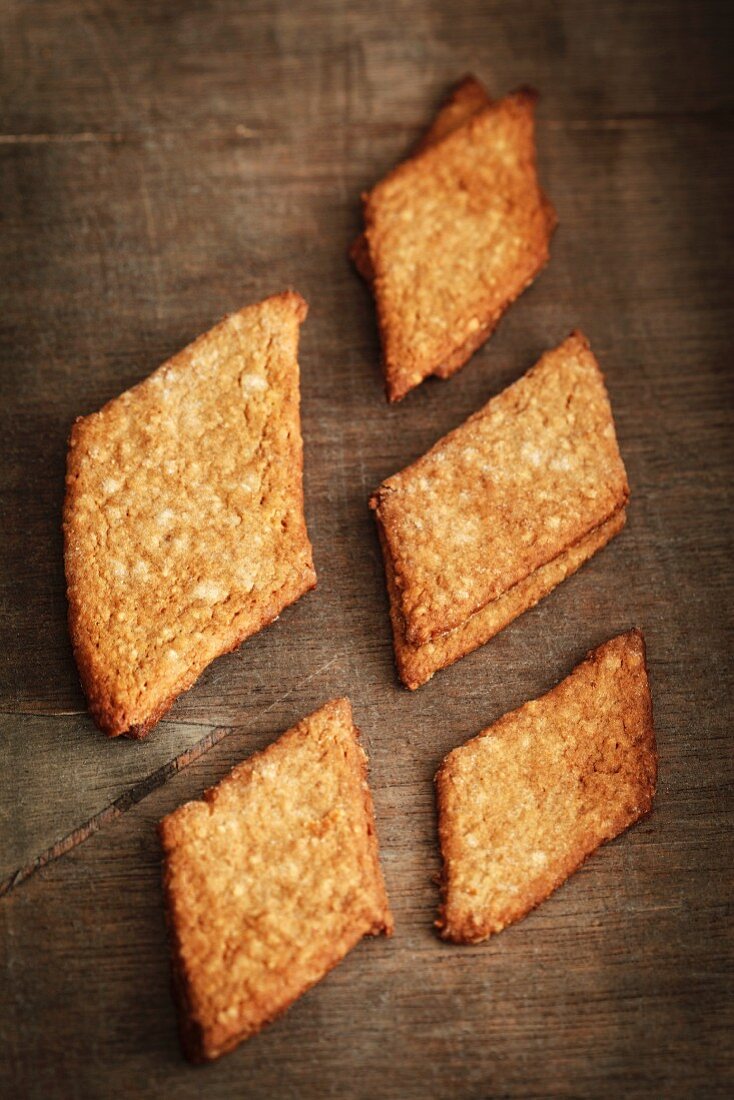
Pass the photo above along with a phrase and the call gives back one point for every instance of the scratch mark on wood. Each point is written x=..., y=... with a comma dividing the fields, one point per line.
x=302, y=683
x=150, y=231
x=118, y=95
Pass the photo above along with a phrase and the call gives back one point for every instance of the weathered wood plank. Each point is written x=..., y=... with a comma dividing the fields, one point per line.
x=41, y=820
x=61, y=779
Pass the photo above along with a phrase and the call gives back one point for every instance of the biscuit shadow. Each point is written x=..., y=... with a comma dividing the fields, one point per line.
x=38, y=668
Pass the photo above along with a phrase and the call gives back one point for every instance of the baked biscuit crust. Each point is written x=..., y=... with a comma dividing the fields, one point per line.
x=455, y=234
x=464, y=100
x=524, y=803
x=525, y=479
x=184, y=530
x=467, y=97
x=416, y=664
x=271, y=880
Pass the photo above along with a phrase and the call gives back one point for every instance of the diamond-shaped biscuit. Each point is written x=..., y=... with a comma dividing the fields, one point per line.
x=500, y=510
x=454, y=234
x=524, y=803
x=184, y=530
x=271, y=880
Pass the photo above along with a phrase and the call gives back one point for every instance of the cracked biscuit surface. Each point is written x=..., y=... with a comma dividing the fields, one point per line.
x=454, y=234
x=524, y=803
x=534, y=475
x=271, y=880
x=184, y=530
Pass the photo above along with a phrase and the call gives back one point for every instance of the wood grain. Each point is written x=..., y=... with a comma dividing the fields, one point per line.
x=163, y=164
x=587, y=995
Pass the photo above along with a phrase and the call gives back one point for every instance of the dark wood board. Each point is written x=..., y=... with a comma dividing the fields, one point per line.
x=163, y=164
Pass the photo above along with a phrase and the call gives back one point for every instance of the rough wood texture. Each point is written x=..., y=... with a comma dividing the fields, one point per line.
x=163, y=164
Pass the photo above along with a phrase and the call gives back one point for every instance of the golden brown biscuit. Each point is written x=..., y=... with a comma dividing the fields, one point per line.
x=184, y=530
x=524, y=803
x=271, y=880
x=454, y=235
x=416, y=664
x=526, y=479
x=465, y=99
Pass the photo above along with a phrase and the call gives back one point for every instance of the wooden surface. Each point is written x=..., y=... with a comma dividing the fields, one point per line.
x=163, y=164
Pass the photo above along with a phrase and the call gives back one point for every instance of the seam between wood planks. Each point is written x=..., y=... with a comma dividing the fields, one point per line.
x=126, y=800
x=116, y=137
x=630, y=120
